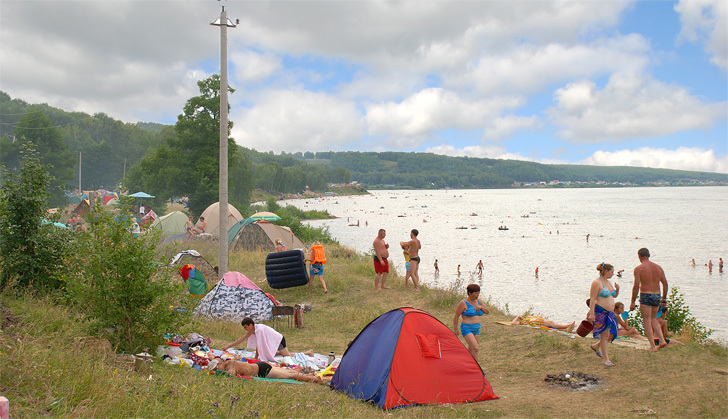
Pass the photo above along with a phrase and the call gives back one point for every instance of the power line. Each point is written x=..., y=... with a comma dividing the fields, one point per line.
x=15, y=125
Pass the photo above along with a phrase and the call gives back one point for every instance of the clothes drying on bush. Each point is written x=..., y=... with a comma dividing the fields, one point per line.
x=195, y=279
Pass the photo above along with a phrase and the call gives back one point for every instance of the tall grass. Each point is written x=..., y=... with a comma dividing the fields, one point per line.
x=46, y=373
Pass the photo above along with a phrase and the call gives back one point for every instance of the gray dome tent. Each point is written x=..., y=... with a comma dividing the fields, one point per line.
x=234, y=298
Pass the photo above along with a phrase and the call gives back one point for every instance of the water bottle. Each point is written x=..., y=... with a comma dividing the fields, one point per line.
x=331, y=357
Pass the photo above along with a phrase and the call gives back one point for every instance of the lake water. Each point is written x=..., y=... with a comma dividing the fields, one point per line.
x=675, y=224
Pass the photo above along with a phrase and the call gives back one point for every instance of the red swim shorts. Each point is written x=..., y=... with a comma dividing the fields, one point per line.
x=381, y=266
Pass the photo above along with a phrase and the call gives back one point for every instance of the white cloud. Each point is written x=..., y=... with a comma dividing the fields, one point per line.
x=111, y=57
x=683, y=158
x=506, y=126
x=629, y=107
x=529, y=68
x=287, y=120
x=254, y=67
x=414, y=32
x=429, y=110
x=706, y=21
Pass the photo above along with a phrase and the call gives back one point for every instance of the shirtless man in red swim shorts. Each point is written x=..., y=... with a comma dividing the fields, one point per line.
x=381, y=265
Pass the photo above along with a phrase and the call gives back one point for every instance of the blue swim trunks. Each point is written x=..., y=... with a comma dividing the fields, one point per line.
x=652, y=300
x=468, y=328
x=317, y=269
x=406, y=264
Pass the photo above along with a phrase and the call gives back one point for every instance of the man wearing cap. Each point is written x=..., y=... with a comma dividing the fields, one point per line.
x=647, y=278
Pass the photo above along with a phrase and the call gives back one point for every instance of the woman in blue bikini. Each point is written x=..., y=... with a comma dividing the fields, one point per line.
x=470, y=309
x=601, y=311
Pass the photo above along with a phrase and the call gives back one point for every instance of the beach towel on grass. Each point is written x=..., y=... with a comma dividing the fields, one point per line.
x=265, y=340
x=274, y=380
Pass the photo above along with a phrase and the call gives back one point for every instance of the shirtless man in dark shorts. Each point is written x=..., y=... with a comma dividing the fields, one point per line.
x=414, y=247
x=381, y=265
x=647, y=278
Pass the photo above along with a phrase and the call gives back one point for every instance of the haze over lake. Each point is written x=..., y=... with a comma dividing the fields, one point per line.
x=675, y=224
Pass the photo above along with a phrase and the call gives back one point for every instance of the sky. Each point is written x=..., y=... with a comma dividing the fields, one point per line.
x=616, y=83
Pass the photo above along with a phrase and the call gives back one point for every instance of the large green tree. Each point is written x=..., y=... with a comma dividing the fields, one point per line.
x=187, y=163
x=35, y=127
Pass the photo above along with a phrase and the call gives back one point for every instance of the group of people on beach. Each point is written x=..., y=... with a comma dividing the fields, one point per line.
x=411, y=253
x=268, y=343
x=650, y=284
x=605, y=314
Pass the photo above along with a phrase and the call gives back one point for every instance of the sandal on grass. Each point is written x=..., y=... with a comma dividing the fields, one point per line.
x=609, y=364
x=599, y=353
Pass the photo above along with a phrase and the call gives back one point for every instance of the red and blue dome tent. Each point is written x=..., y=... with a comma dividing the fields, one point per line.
x=407, y=357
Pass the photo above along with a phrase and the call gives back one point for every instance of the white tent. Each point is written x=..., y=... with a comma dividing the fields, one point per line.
x=212, y=216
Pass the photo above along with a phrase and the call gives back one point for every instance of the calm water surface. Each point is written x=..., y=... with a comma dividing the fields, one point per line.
x=676, y=224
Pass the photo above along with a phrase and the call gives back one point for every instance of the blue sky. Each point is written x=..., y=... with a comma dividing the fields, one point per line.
x=601, y=82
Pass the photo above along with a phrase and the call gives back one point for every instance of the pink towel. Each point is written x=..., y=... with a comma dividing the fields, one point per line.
x=265, y=340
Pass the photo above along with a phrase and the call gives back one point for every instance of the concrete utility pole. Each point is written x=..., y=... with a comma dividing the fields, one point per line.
x=79, y=173
x=222, y=239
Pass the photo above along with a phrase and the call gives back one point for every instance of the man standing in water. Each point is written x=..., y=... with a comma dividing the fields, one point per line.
x=381, y=265
x=414, y=247
x=647, y=278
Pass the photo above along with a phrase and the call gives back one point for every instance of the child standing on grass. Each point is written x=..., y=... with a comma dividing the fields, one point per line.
x=317, y=258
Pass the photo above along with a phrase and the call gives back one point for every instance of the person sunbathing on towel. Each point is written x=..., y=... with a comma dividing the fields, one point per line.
x=265, y=370
x=267, y=342
x=539, y=321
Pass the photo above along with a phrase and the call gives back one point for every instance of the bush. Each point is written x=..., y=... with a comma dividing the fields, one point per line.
x=112, y=284
x=679, y=319
x=306, y=233
x=31, y=252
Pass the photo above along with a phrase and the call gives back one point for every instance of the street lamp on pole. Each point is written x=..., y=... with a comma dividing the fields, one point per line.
x=223, y=22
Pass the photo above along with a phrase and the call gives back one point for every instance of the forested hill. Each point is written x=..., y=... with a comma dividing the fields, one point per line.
x=107, y=146
x=425, y=170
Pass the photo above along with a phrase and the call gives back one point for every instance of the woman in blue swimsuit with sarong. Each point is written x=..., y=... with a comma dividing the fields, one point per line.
x=601, y=311
x=470, y=309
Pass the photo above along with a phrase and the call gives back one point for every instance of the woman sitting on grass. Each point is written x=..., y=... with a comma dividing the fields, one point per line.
x=265, y=370
x=539, y=321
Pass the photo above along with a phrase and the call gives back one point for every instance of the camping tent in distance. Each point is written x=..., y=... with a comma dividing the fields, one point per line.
x=212, y=216
x=253, y=235
x=407, y=357
x=171, y=224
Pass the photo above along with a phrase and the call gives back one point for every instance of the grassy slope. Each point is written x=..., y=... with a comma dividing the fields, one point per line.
x=44, y=374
